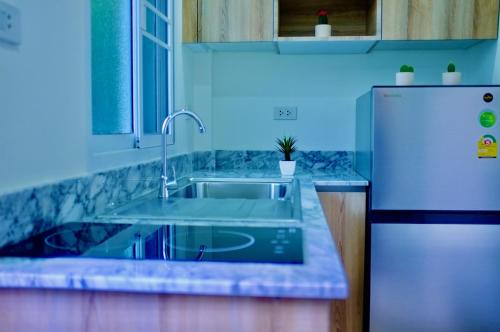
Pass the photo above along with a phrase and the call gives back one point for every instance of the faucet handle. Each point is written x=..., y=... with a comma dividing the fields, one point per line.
x=173, y=182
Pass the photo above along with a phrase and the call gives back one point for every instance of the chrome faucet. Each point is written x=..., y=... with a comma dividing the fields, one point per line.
x=165, y=183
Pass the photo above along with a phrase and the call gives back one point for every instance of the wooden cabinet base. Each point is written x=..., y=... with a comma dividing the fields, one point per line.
x=345, y=212
x=60, y=310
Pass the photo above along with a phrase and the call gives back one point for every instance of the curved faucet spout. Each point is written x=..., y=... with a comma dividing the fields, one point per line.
x=183, y=111
x=165, y=183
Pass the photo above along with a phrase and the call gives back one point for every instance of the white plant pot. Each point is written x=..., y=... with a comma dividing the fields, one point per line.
x=287, y=168
x=452, y=78
x=405, y=78
x=323, y=30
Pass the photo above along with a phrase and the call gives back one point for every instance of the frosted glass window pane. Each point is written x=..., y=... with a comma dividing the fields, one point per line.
x=111, y=67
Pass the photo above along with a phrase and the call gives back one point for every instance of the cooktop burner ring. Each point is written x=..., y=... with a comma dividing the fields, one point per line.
x=213, y=243
x=74, y=247
x=208, y=249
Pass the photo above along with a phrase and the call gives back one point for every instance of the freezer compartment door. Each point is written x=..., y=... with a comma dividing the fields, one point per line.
x=425, y=149
x=435, y=278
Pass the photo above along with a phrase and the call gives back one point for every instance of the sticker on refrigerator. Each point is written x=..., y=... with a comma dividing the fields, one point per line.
x=487, y=147
x=487, y=118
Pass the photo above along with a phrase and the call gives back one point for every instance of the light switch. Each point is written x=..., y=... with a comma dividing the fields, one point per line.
x=10, y=24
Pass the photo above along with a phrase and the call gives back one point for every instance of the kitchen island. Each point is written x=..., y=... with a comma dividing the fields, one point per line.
x=123, y=294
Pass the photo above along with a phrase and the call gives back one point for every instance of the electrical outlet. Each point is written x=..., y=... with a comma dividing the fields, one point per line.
x=285, y=113
x=9, y=24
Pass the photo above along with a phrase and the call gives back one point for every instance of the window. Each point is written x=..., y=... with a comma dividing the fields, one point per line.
x=111, y=67
x=132, y=72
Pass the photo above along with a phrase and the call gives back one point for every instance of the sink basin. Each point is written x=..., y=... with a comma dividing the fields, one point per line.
x=217, y=199
x=235, y=188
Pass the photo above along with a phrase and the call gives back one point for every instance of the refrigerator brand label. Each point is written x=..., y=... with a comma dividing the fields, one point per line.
x=392, y=95
x=488, y=97
x=487, y=147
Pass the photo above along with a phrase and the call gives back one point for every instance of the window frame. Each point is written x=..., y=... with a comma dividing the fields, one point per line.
x=139, y=22
x=111, y=143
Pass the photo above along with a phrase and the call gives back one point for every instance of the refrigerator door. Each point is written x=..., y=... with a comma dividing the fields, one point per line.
x=425, y=149
x=435, y=278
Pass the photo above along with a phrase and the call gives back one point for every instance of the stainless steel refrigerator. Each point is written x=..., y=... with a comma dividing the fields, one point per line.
x=431, y=155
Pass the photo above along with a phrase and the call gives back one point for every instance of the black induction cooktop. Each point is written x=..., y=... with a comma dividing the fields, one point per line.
x=164, y=242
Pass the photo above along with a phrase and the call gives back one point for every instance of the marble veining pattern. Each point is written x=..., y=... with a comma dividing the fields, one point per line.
x=204, y=160
x=34, y=210
x=306, y=160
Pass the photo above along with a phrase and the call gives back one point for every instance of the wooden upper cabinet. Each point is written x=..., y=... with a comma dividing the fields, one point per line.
x=439, y=19
x=235, y=20
x=190, y=21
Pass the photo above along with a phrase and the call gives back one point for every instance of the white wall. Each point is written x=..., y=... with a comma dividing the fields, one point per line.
x=202, y=98
x=45, y=95
x=44, y=92
x=45, y=98
x=246, y=87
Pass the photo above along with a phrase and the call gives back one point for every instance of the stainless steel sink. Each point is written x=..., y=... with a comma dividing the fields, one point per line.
x=235, y=188
x=218, y=199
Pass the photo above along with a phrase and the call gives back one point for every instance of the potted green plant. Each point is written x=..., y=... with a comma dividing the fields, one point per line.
x=406, y=75
x=322, y=29
x=287, y=146
x=452, y=76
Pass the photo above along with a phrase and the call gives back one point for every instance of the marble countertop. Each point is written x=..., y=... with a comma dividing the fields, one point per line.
x=318, y=177
x=320, y=277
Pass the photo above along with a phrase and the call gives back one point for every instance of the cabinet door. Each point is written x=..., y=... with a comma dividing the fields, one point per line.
x=439, y=19
x=235, y=20
x=345, y=212
x=189, y=21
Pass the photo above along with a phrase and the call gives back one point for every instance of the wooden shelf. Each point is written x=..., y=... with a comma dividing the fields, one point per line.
x=329, y=39
x=350, y=19
x=331, y=45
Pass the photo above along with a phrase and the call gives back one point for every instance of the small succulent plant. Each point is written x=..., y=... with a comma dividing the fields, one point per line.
x=451, y=67
x=287, y=146
x=406, y=69
x=322, y=16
